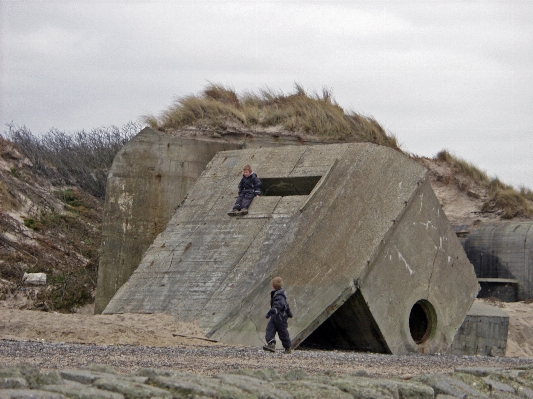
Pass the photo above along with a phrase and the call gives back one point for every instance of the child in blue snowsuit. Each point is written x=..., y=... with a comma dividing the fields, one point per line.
x=249, y=188
x=278, y=314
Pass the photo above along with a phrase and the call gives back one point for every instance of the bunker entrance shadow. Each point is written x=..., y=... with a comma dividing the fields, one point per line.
x=351, y=327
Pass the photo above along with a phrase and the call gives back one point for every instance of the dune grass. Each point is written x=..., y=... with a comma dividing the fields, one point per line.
x=511, y=201
x=526, y=192
x=464, y=167
x=219, y=107
x=502, y=197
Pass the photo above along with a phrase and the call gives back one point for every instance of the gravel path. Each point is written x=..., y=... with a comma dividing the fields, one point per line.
x=212, y=360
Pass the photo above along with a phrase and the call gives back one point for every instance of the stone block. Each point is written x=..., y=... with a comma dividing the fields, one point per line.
x=76, y=390
x=130, y=389
x=29, y=394
x=312, y=390
x=483, y=332
x=12, y=382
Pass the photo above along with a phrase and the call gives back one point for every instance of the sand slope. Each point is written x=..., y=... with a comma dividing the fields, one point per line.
x=520, y=336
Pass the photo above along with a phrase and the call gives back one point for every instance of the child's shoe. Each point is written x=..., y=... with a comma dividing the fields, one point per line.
x=233, y=212
x=243, y=212
x=288, y=351
x=270, y=347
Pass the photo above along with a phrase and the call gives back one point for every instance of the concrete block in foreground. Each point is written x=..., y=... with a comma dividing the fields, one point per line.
x=483, y=333
x=369, y=260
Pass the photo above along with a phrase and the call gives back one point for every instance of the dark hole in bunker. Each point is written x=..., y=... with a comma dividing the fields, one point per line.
x=284, y=186
x=351, y=327
x=419, y=323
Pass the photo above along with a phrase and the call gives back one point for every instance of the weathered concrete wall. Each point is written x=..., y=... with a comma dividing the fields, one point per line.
x=148, y=179
x=372, y=225
x=483, y=332
x=503, y=251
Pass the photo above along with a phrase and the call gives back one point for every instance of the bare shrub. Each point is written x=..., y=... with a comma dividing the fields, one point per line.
x=8, y=198
x=80, y=159
x=5, y=146
x=64, y=243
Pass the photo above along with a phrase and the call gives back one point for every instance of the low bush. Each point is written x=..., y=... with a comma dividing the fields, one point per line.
x=71, y=282
x=15, y=172
x=70, y=197
x=33, y=224
x=68, y=289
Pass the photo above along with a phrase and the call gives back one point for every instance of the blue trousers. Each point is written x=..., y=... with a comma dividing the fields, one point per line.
x=278, y=324
x=244, y=200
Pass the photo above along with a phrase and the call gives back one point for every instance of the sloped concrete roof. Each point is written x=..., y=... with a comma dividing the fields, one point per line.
x=368, y=254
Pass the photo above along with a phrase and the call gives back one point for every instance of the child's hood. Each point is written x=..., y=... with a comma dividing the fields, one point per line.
x=281, y=292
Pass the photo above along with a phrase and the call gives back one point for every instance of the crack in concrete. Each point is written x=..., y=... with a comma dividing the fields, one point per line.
x=432, y=271
x=400, y=257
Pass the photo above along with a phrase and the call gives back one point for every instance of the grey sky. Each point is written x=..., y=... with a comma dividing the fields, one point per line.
x=437, y=74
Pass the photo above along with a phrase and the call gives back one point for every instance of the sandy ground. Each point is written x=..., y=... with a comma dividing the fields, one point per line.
x=520, y=336
x=84, y=327
x=161, y=330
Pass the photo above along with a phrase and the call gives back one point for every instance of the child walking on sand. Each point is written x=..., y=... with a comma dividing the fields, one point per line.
x=278, y=314
x=249, y=188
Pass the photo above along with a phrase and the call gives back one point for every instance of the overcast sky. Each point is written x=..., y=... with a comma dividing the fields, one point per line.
x=437, y=74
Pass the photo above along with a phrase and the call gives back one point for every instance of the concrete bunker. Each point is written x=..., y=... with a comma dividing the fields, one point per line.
x=502, y=255
x=365, y=252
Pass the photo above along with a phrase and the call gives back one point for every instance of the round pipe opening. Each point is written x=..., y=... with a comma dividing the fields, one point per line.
x=421, y=321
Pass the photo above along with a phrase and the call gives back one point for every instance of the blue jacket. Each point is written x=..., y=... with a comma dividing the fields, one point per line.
x=279, y=305
x=250, y=184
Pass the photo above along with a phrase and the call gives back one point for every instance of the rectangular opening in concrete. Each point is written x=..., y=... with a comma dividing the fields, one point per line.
x=284, y=186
